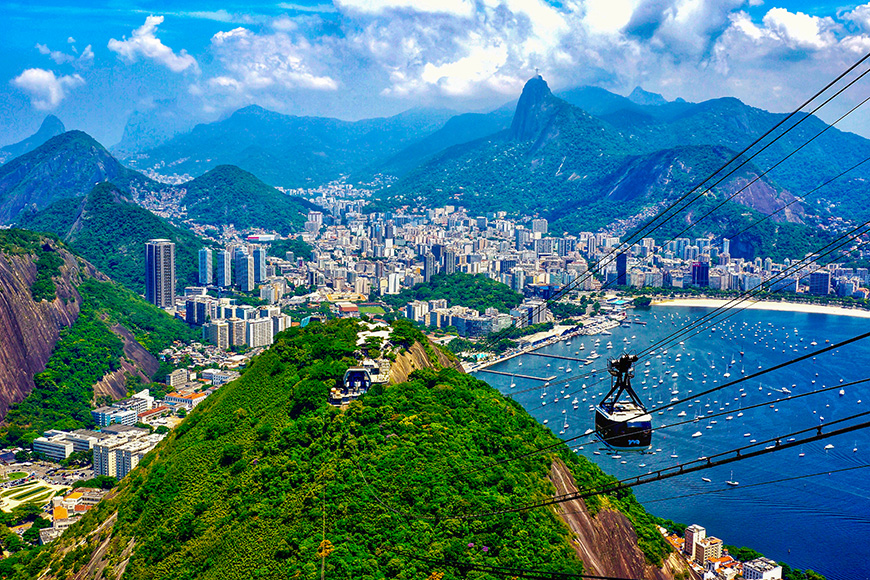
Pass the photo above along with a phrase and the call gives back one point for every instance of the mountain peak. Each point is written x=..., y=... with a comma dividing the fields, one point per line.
x=534, y=109
x=641, y=97
x=51, y=126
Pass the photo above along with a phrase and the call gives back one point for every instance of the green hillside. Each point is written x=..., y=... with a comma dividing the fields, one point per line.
x=229, y=195
x=85, y=351
x=460, y=289
x=65, y=166
x=110, y=232
x=246, y=486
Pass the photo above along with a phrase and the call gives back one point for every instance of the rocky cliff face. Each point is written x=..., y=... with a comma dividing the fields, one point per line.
x=31, y=329
x=535, y=109
x=416, y=358
x=607, y=543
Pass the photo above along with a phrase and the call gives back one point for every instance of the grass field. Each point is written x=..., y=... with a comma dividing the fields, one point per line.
x=371, y=310
x=16, y=475
x=19, y=489
x=30, y=492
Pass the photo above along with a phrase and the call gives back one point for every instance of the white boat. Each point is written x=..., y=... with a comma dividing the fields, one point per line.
x=731, y=481
x=681, y=414
x=842, y=392
x=828, y=446
x=695, y=434
x=707, y=479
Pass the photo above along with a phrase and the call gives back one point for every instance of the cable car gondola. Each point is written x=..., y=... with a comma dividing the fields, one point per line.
x=623, y=424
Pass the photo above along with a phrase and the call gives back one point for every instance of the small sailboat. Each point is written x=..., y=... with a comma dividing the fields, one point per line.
x=731, y=481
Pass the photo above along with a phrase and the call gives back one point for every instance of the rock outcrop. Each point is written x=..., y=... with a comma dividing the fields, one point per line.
x=607, y=542
x=416, y=358
x=30, y=328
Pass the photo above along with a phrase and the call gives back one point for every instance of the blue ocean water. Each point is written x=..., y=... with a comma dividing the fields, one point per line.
x=820, y=522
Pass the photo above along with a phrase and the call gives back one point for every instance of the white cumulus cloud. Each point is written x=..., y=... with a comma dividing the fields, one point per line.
x=46, y=90
x=145, y=44
x=463, y=8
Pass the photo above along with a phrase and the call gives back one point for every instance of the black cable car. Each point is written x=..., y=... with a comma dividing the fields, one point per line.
x=623, y=424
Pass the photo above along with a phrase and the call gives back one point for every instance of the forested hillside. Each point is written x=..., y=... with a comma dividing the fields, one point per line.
x=110, y=231
x=263, y=470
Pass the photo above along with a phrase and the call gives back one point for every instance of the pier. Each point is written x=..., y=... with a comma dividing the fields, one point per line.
x=516, y=375
x=557, y=356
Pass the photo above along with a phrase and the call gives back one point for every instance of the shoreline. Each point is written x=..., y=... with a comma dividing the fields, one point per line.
x=762, y=305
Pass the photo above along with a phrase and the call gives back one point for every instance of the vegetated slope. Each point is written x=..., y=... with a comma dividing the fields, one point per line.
x=51, y=127
x=579, y=171
x=474, y=291
x=66, y=327
x=289, y=151
x=258, y=474
x=457, y=130
x=229, y=195
x=110, y=231
x=728, y=122
x=68, y=165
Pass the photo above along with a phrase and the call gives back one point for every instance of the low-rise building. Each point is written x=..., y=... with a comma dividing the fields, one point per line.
x=188, y=401
x=762, y=569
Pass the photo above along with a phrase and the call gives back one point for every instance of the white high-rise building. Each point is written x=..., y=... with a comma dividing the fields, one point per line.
x=160, y=273
x=205, y=267
x=259, y=332
x=224, y=276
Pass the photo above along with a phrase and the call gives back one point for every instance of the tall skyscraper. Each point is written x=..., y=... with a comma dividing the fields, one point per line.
x=622, y=269
x=259, y=265
x=428, y=266
x=224, y=275
x=160, y=273
x=245, y=271
x=205, y=267
x=449, y=262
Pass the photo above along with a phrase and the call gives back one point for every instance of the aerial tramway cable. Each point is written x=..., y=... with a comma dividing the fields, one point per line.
x=642, y=232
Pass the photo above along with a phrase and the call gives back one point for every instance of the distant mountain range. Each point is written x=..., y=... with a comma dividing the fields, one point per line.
x=289, y=151
x=110, y=231
x=51, y=127
x=68, y=165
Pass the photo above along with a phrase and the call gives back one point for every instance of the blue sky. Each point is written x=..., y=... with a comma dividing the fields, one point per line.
x=95, y=63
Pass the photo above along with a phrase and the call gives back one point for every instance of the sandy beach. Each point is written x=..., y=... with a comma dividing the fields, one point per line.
x=780, y=306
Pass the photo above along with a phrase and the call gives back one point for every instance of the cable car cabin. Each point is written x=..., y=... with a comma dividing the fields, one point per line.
x=622, y=423
x=357, y=379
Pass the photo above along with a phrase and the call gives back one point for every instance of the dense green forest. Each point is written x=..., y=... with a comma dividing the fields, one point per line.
x=228, y=195
x=110, y=232
x=246, y=485
x=473, y=291
x=85, y=352
x=299, y=247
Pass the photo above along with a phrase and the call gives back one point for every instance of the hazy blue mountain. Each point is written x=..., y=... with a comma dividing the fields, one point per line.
x=641, y=97
x=457, y=130
x=51, y=127
x=150, y=127
x=68, y=165
x=290, y=151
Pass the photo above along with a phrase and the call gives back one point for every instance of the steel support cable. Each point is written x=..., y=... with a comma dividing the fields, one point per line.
x=620, y=249
x=508, y=571
x=724, y=458
x=738, y=299
x=599, y=439
x=730, y=308
x=640, y=233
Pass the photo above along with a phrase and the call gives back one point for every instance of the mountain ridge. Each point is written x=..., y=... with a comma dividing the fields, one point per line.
x=51, y=127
